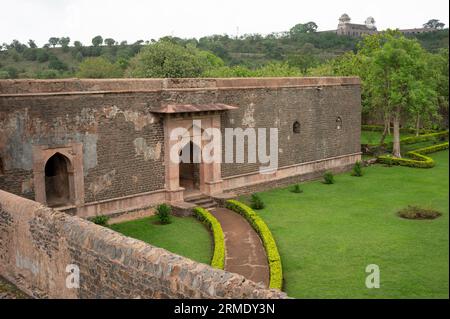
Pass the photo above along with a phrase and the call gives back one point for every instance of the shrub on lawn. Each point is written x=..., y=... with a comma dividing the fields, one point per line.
x=163, y=212
x=256, y=202
x=100, y=220
x=258, y=224
x=218, y=259
x=297, y=189
x=328, y=178
x=357, y=169
x=415, y=212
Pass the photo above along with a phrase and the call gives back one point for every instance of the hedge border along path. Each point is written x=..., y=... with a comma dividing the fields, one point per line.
x=258, y=224
x=218, y=259
x=414, y=139
x=418, y=157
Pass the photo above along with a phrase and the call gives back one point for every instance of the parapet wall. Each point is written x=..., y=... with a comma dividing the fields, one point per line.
x=38, y=243
x=71, y=86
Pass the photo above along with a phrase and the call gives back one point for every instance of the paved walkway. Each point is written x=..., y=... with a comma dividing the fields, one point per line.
x=245, y=252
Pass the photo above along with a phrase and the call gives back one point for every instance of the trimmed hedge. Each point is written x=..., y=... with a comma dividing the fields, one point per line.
x=417, y=157
x=273, y=256
x=218, y=259
x=380, y=128
x=376, y=148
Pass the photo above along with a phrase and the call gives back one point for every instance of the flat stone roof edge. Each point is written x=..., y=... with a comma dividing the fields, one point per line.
x=74, y=85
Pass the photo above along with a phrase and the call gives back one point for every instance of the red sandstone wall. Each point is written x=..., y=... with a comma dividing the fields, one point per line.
x=37, y=243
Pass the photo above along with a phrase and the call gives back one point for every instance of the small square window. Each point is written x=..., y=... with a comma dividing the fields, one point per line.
x=338, y=123
x=296, y=127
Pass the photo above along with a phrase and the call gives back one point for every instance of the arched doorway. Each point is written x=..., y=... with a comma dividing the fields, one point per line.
x=57, y=186
x=190, y=167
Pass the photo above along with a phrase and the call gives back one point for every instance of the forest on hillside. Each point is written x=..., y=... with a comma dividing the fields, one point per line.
x=292, y=53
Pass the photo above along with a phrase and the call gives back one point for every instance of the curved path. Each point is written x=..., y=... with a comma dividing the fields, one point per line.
x=245, y=254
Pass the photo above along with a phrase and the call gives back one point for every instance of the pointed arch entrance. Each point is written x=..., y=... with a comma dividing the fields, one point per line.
x=57, y=186
x=189, y=168
x=58, y=175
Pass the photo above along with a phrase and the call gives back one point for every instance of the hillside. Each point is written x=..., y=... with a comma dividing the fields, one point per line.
x=302, y=51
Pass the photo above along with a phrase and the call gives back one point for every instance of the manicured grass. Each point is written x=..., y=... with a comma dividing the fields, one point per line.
x=369, y=137
x=185, y=236
x=330, y=233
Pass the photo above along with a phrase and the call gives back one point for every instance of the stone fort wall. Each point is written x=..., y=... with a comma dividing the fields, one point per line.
x=37, y=243
x=123, y=141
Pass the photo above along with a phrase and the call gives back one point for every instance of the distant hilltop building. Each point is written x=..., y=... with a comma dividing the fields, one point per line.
x=345, y=27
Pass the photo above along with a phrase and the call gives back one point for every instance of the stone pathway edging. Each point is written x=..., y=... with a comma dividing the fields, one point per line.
x=245, y=254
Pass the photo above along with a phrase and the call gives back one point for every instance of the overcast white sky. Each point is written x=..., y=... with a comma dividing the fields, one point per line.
x=133, y=20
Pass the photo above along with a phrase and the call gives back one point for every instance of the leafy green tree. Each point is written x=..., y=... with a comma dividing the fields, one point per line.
x=110, y=42
x=166, y=59
x=398, y=79
x=30, y=54
x=400, y=64
x=16, y=45
x=42, y=55
x=32, y=44
x=301, y=28
x=64, y=42
x=305, y=58
x=53, y=41
x=98, y=67
x=57, y=64
x=97, y=41
x=434, y=24
x=77, y=44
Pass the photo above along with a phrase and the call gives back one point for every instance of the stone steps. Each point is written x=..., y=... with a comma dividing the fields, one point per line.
x=203, y=201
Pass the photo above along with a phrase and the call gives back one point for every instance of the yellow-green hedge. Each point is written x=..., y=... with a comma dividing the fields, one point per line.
x=218, y=259
x=417, y=157
x=273, y=256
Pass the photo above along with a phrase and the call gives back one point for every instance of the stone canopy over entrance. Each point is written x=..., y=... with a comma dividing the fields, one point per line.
x=204, y=177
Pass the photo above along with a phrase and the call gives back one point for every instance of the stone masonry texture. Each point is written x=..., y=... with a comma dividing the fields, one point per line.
x=123, y=141
x=38, y=243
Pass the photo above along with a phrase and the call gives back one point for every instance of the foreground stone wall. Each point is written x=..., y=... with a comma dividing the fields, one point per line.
x=37, y=243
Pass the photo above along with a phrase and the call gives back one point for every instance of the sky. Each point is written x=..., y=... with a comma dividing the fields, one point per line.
x=134, y=20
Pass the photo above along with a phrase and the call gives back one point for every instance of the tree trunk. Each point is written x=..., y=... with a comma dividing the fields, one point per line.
x=386, y=128
x=396, y=144
x=418, y=125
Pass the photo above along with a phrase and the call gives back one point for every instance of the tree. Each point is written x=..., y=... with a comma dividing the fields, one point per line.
x=309, y=27
x=97, y=41
x=98, y=67
x=16, y=45
x=434, y=24
x=397, y=79
x=57, y=64
x=53, y=41
x=64, y=42
x=32, y=44
x=304, y=58
x=77, y=44
x=42, y=55
x=401, y=64
x=110, y=42
x=166, y=59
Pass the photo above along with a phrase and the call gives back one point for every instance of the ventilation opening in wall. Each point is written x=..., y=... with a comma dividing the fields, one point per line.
x=338, y=123
x=296, y=127
x=2, y=167
x=57, y=180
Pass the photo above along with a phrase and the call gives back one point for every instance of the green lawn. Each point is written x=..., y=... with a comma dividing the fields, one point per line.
x=369, y=137
x=186, y=236
x=330, y=233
